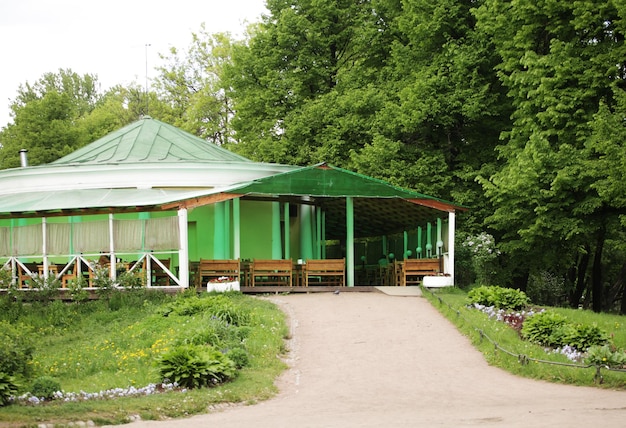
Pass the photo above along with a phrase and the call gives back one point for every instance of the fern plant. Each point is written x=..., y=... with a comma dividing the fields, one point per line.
x=8, y=388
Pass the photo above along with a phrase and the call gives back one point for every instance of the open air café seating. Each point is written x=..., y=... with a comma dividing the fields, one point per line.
x=211, y=270
x=330, y=272
x=271, y=272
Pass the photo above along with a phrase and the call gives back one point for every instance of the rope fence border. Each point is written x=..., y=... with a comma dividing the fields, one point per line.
x=524, y=359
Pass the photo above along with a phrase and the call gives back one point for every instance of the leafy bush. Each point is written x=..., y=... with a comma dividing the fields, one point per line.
x=8, y=388
x=17, y=349
x=194, y=366
x=218, y=306
x=584, y=336
x=545, y=328
x=547, y=289
x=499, y=297
x=606, y=356
x=552, y=329
x=45, y=387
x=484, y=257
x=217, y=333
x=239, y=356
x=132, y=279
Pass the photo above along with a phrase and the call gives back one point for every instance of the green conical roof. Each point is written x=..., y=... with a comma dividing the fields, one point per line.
x=149, y=140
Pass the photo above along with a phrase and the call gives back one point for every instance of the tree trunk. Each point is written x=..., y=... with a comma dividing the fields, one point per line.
x=596, y=273
x=616, y=289
x=520, y=280
x=622, y=309
x=580, y=282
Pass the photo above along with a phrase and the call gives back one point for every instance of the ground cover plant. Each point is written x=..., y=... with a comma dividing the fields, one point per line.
x=603, y=333
x=137, y=353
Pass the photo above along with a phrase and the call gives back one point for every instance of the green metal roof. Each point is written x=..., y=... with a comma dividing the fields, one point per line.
x=149, y=140
x=323, y=180
x=379, y=207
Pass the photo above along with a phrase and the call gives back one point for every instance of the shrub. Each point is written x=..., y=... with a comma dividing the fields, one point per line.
x=606, y=356
x=194, y=366
x=45, y=387
x=17, y=349
x=76, y=289
x=552, y=329
x=499, y=297
x=132, y=279
x=217, y=333
x=8, y=388
x=584, y=336
x=545, y=328
x=239, y=356
x=218, y=306
x=484, y=256
x=545, y=288
x=6, y=277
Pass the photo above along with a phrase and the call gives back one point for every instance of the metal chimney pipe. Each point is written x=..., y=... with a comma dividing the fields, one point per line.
x=24, y=158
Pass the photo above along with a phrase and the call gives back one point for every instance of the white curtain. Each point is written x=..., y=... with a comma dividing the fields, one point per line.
x=5, y=241
x=127, y=235
x=162, y=234
x=91, y=237
x=28, y=240
x=58, y=238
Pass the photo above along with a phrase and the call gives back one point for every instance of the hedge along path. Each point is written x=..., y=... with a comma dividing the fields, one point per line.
x=372, y=360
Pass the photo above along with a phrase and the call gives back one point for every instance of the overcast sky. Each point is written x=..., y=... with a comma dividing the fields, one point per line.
x=106, y=38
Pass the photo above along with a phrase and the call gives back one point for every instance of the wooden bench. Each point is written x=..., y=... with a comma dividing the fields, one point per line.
x=325, y=272
x=271, y=272
x=413, y=270
x=214, y=269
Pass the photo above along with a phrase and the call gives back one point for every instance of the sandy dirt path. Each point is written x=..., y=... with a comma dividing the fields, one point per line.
x=373, y=360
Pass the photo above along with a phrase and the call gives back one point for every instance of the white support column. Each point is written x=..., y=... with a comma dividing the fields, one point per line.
x=451, y=233
x=44, y=247
x=112, y=259
x=183, y=255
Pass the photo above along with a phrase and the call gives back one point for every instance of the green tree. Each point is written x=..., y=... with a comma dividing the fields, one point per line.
x=560, y=62
x=192, y=87
x=44, y=118
x=301, y=81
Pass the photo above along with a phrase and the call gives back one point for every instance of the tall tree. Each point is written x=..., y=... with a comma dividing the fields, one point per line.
x=44, y=116
x=560, y=62
x=304, y=70
x=192, y=85
x=445, y=105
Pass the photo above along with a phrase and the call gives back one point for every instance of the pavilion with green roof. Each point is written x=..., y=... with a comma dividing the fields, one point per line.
x=151, y=192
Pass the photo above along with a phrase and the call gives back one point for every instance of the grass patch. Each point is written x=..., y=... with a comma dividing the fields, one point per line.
x=471, y=322
x=101, y=345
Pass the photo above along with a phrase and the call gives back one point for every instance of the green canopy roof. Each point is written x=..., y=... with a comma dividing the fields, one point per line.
x=380, y=208
x=149, y=140
x=324, y=180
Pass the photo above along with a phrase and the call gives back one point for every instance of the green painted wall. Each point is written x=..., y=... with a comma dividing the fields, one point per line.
x=256, y=230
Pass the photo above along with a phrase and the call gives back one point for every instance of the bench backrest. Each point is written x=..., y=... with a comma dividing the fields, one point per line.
x=327, y=265
x=218, y=266
x=272, y=266
x=411, y=265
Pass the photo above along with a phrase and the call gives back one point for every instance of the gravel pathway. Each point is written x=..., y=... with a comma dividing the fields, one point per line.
x=375, y=360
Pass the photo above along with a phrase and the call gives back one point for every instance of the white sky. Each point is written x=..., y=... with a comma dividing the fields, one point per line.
x=105, y=38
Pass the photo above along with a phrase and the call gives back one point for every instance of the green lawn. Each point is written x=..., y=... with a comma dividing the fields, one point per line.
x=101, y=345
x=452, y=303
